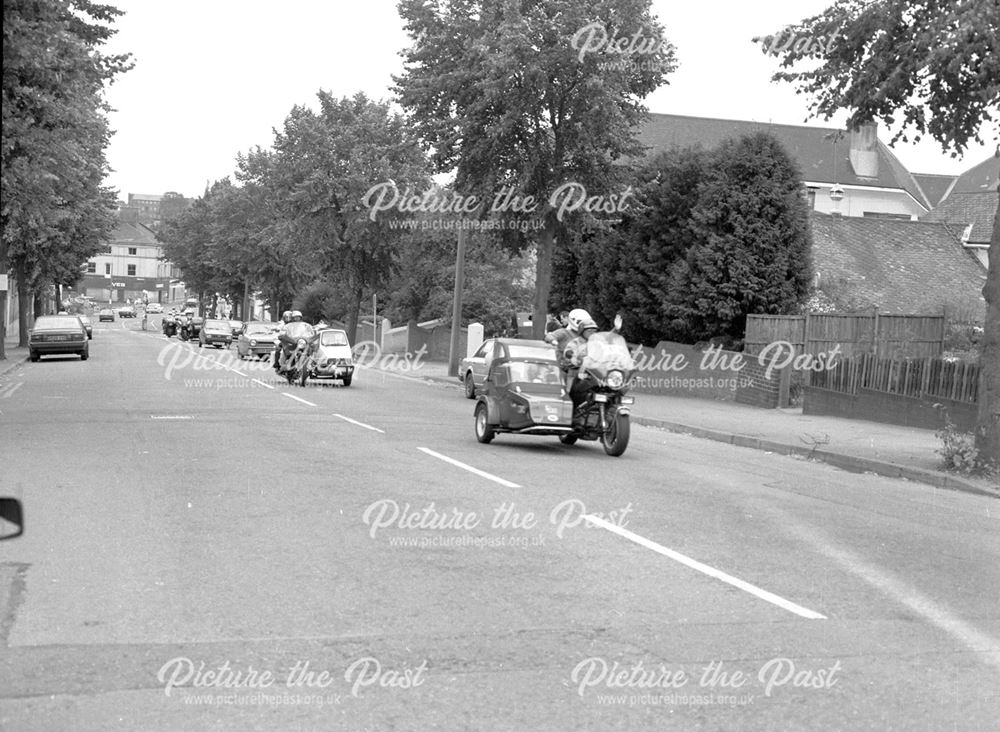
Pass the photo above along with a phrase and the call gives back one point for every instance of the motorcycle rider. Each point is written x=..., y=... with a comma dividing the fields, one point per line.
x=281, y=353
x=574, y=353
x=561, y=337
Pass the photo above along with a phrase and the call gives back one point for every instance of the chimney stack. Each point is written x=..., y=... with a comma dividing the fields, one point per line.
x=864, y=151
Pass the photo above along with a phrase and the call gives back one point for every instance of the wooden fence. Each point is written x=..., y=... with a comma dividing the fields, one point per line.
x=886, y=336
x=929, y=378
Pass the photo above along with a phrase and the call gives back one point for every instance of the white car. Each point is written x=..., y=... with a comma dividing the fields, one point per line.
x=154, y=307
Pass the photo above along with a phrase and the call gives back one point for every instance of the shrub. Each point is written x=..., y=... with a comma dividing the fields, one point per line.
x=960, y=453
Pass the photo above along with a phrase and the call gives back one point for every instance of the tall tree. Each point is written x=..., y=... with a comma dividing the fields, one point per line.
x=752, y=248
x=325, y=165
x=531, y=95
x=55, y=212
x=937, y=62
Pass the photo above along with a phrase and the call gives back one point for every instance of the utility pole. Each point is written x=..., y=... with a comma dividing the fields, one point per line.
x=456, y=310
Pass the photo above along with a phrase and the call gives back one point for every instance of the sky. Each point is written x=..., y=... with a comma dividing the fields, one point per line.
x=214, y=78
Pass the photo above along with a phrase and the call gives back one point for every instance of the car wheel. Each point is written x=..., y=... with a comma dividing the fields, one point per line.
x=470, y=386
x=484, y=430
x=347, y=380
x=33, y=356
x=84, y=354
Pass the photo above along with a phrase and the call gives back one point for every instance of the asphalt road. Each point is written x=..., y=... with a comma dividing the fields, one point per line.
x=202, y=544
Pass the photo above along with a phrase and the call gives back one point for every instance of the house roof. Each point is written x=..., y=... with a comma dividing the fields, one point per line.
x=822, y=153
x=133, y=234
x=934, y=186
x=972, y=200
x=896, y=266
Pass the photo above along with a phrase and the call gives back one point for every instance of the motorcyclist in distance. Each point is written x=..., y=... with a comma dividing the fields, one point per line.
x=286, y=318
x=284, y=344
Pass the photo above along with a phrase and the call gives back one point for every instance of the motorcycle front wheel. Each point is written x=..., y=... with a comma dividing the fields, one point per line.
x=615, y=438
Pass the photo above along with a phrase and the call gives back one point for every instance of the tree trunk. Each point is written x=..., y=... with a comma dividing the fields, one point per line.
x=988, y=426
x=543, y=277
x=3, y=302
x=23, y=301
x=352, y=315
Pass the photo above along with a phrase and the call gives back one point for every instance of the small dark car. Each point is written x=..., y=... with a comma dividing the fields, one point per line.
x=216, y=333
x=58, y=334
x=106, y=314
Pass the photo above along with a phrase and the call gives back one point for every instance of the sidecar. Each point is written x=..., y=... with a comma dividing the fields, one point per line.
x=524, y=393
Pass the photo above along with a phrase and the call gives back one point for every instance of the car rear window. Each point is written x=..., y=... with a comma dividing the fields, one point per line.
x=55, y=322
x=333, y=338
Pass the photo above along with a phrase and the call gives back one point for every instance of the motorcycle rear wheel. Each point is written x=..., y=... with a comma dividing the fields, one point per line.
x=615, y=439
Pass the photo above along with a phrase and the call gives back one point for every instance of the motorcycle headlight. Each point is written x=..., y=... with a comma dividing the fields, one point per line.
x=302, y=342
x=616, y=379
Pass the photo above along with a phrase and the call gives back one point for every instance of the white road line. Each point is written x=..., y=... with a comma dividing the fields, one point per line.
x=969, y=636
x=359, y=424
x=11, y=389
x=477, y=471
x=258, y=381
x=705, y=569
x=298, y=399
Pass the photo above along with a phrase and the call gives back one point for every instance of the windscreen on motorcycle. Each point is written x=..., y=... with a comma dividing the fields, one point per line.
x=299, y=330
x=607, y=352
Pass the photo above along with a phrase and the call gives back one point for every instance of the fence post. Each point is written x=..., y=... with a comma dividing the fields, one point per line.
x=876, y=341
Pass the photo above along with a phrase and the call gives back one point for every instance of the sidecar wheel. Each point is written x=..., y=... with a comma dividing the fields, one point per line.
x=484, y=430
x=615, y=440
x=568, y=439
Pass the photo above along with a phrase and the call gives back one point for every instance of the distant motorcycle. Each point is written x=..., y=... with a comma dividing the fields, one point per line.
x=297, y=344
x=169, y=326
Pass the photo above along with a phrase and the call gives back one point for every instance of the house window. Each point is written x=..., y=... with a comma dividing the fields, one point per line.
x=91, y=267
x=131, y=250
x=107, y=269
x=811, y=198
x=131, y=270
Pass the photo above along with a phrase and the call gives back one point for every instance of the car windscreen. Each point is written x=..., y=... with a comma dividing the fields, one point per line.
x=68, y=322
x=333, y=338
x=260, y=329
x=217, y=325
x=542, y=354
x=535, y=373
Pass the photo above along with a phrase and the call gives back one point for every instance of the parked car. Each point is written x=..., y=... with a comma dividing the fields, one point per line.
x=256, y=339
x=58, y=334
x=87, y=325
x=126, y=311
x=472, y=370
x=154, y=307
x=216, y=333
x=106, y=314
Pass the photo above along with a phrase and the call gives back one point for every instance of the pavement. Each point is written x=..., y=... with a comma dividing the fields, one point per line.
x=855, y=445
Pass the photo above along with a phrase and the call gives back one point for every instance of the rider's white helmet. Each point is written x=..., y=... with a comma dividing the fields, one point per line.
x=577, y=318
